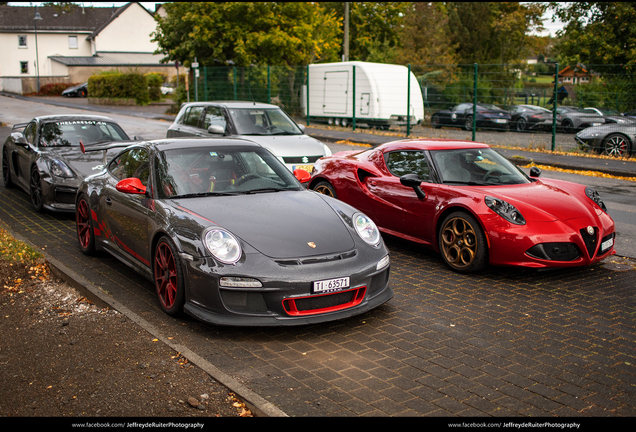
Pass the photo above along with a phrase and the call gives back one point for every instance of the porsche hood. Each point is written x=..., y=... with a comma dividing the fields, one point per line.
x=297, y=224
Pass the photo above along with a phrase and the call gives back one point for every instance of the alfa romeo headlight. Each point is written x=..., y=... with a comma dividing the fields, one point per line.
x=505, y=210
x=594, y=196
x=366, y=229
x=60, y=169
x=223, y=245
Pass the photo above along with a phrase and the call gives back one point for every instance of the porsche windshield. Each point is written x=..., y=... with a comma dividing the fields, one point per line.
x=476, y=167
x=71, y=132
x=220, y=171
x=263, y=121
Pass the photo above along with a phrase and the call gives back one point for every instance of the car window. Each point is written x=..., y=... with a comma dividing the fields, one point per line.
x=478, y=166
x=404, y=162
x=263, y=121
x=192, y=116
x=214, y=116
x=71, y=132
x=132, y=163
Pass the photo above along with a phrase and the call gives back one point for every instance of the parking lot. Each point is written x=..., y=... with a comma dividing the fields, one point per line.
x=503, y=343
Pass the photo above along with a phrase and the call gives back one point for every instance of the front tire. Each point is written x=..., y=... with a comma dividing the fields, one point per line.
x=84, y=224
x=521, y=124
x=462, y=243
x=36, y=190
x=325, y=188
x=6, y=169
x=168, y=277
x=616, y=145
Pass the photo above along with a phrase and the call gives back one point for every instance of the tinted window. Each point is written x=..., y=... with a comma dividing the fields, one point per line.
x=133, y=163
x=408, y=162
x=192, y=116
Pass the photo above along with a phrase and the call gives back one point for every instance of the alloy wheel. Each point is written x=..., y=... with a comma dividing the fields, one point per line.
x=36, y=190
x=616, y=145
x=166, y=276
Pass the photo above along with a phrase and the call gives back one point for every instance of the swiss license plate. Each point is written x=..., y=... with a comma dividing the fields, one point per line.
x=607, y=244
x=596, y=124
x=307, y=168
x=329, y=285
x=501, y=121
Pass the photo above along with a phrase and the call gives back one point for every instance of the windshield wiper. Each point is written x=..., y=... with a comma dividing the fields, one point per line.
x=263, y=190
x=202, y=194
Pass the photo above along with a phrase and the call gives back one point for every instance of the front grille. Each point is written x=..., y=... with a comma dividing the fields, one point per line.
x=555, y=251
x=299, y=159
x=317, y=260
x=313, y=305
x=243, y=301
x=591, y=241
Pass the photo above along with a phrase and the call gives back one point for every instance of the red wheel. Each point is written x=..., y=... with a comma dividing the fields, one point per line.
x=85, y=234
x=168, y=278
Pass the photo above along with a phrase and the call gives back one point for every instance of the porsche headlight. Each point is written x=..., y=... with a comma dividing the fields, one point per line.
x=366, y=229
x=223, y=245
x=60, y=169
x=594, y=196
x=505, y=210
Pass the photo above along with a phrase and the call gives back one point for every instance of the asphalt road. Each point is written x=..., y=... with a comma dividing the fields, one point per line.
x=504, y=343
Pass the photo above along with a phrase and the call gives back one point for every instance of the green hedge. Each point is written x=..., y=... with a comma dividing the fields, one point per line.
x=120, y=85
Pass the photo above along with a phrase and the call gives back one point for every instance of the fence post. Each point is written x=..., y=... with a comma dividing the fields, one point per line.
x=353, y=124
x=235, y=83
x=269, y=88
x=408, y=101
x=307, y=102
x=475, y=103
x=554, y=104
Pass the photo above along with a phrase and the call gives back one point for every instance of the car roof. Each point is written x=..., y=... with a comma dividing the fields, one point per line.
x=232, y=104
x=430, y=144
x=70, y=117
x=176, y=143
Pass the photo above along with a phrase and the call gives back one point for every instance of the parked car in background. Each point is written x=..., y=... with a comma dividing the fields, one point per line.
x=471, y=204
x=630, y=114
x=574, y=119
x=488, y=117
x=76, y=91
x=262, y=123
x=530, y=117
x=228, y=235
x=610, y=139
x=610, y=115
x=43, y=157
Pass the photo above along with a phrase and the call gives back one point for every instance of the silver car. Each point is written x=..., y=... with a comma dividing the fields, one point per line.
x=44, y=156
x=265, y=124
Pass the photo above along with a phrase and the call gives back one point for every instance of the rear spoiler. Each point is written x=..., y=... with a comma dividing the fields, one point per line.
x=105, y=147
x=19, y=126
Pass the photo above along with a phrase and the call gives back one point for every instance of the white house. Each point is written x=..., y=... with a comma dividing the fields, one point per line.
x=72, y=45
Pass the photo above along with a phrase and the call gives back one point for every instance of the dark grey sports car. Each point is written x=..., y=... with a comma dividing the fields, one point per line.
x=76, y=91
x=229, y=235
x=610, y=139
x=43, y=157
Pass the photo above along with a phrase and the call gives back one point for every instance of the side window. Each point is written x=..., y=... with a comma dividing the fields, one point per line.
x=213, y=116
x=192, y=116
x=133, y=163
x=404, y=162
x=29, y=132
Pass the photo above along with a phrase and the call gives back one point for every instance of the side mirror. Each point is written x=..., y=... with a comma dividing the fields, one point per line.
x=535, y=172
x=19, y=139
x=302, y=175
x=301, y=127
x=138, y=138
x=216, y=130
x=131, y=185
x=413, y=181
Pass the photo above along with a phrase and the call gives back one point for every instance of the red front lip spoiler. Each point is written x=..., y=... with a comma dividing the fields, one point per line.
x=357, y=295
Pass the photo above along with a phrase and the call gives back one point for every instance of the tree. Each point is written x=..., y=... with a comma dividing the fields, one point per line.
x=599, y=33
x=493, y=32
x=248, y=33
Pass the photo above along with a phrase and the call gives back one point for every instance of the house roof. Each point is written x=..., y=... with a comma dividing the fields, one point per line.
x=112, y=59
x=78, y=19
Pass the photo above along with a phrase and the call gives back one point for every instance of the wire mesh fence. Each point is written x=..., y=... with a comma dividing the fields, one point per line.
x=591, y=107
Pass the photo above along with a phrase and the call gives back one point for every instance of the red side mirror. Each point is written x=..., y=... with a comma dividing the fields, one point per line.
x=131, y=185
x=302, y=175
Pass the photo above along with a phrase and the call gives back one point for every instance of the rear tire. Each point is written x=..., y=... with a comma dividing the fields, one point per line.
x=435, y=122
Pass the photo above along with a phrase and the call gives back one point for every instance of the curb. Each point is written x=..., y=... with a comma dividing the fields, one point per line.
x=257, y=405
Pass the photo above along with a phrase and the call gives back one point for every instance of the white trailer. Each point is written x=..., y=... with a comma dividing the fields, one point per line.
x=381, y=94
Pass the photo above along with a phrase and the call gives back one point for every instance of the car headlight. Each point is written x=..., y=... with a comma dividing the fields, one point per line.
x=60, y=169
x=366, y=229
x=505, y=210
x=223, y=245
x=594, y=196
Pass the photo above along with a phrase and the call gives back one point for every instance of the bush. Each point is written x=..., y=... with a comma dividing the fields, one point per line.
x=55, y=89
x=155, y=79
x=119, y=85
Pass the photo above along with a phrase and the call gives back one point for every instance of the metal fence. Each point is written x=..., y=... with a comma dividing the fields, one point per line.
x=476, y=99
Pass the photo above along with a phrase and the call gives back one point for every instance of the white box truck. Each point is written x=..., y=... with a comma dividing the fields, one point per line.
x=381, y=94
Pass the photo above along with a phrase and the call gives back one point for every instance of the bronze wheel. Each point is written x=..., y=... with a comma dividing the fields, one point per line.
x=325, y=188
x=462, y=243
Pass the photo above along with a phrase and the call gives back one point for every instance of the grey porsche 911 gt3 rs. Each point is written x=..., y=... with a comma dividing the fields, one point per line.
x=43, y=156
x=229, y=235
